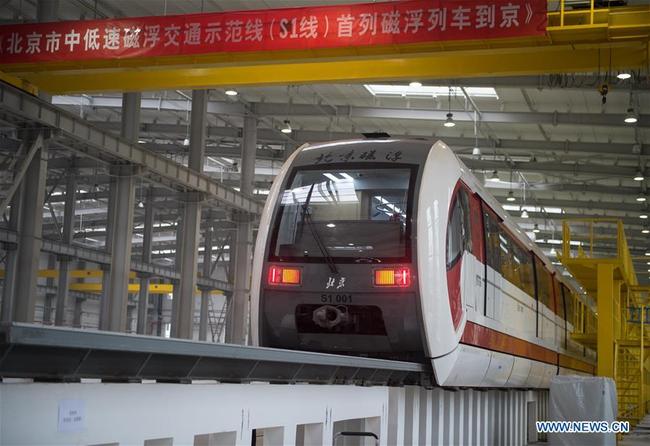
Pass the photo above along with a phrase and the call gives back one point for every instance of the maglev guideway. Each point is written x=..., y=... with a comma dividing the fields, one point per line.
x=67, y=354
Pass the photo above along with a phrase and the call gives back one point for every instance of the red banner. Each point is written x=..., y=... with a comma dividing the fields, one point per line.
x=384, y=23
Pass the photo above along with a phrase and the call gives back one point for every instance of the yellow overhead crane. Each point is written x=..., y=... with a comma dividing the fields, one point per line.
x=595, y=251
x=585, y=40
x=96, y=287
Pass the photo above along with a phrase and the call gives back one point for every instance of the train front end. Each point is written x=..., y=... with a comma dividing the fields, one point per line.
x=334, y=266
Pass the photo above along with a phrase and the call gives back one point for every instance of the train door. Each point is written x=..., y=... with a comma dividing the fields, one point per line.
x=465, y=244
x=474, y=275
x=493, y=278
x=545, y=304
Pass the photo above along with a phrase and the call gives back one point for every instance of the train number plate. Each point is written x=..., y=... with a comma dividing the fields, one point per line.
x=328, y=298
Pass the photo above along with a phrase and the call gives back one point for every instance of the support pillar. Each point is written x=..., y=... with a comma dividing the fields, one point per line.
x=9, y=283
x=191, y=222
x=78, y=312
x=32, y=195
x=176, y=293
x=143, y=296
x=242, y=249
x=64, y=262
x=207, y=267
x=605, y=335
x=49, y=298
x=120, y=225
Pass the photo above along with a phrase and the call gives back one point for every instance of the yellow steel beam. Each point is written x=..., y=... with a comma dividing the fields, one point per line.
x=605, y=302
x=18, y=82
x=96, y=287
x=75, y=274
x=154, y=288
x=597, y=40
x=477, y=63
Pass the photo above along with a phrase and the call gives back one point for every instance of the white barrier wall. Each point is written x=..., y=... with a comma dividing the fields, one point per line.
x=210, y=414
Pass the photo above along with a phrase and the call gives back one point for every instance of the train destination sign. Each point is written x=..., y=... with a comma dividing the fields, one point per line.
x=322, y=27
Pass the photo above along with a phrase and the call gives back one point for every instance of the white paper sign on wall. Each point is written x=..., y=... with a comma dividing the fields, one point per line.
x=72, y=417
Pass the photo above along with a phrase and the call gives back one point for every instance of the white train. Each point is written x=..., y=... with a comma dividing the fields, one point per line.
x=392, y=248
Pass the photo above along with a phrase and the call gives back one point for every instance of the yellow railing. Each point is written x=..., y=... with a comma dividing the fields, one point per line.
x=596, y=252
x=598, y=239
x=563, y=11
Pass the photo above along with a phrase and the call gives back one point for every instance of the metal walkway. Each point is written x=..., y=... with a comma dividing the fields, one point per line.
x=67, y=354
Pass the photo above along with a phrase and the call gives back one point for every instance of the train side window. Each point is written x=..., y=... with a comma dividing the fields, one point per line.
x=459, y=236
x=463, y=199
x=569, y=305
x=492, y=241
x=544, y=284
x=559, y=305
x=516, y=264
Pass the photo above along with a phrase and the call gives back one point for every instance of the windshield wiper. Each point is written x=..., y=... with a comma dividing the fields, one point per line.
x=306, y=217
x=367, y=260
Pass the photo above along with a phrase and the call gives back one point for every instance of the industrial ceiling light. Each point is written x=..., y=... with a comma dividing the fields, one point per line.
x=140, y=204
x=524, y=214
x=645, y=230
x=415, y=84
x=623, y=76
x=631, y=116
x=553, y=251
x=494, y=177
x=641, y=198
x=231, y=92
x=287, y=127
x=186, y=142
x=449, y=122
x=643, y=216
x=536, y=229
x=639, y=176
x=511, y=196
x=476, y=151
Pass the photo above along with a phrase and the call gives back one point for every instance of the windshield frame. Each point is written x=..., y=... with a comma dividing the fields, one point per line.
x=409, y=222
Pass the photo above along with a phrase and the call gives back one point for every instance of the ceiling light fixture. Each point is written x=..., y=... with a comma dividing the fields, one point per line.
x=186, y=142
x=449, y=122
x=511, y=196
x=623, y=76
x=631, y=116
x=553, y=251
x=287, y=127
x=645, y=230
x=641, y=198
x=643, y=216
x=536, y=229
x=524, y=214
x=476, y=151
x=494, y=177
x=639, y=176
x=415, y=84
x=231, y=92
x=140, y=204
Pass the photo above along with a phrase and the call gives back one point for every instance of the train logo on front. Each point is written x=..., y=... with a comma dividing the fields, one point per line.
x=331, y=283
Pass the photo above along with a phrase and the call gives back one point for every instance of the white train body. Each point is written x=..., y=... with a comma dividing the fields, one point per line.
x=392, y=248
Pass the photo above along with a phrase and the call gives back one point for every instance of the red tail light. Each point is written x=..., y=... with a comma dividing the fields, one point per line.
x=279, y=275
x=398, y=277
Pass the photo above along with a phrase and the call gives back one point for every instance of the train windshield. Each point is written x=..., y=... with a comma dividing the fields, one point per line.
x=346, y=214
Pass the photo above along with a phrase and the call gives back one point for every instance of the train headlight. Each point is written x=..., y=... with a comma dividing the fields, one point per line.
x=279, y=275
x=398, y=277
